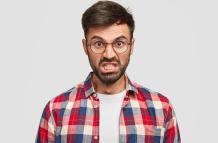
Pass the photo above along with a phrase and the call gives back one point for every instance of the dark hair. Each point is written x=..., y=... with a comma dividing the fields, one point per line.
x=106, y=13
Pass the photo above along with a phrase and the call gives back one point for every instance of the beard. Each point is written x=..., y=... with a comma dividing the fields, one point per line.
x=109, y=78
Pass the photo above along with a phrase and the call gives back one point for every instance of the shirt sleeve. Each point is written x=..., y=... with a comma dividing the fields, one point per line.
x=172, y=134
x=46, y=131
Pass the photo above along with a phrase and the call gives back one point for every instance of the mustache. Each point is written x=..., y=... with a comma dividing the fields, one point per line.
x=109, y=60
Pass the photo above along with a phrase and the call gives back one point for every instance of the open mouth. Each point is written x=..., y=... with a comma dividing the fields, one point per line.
x=109, y=67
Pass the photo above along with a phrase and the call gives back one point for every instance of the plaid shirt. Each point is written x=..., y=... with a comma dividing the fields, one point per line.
x=73, y=117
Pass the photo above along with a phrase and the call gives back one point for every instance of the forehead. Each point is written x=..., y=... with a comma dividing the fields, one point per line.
x=109, y=33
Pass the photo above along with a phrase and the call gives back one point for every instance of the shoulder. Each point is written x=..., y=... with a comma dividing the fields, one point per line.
x=152, y=98
x=150, y=94
x=66, y=97
x=158, y=105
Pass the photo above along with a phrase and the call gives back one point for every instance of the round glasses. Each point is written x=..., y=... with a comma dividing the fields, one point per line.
x=99, y=47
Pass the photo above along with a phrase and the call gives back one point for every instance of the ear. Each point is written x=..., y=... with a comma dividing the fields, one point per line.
x=132, y=46
x=84, y=46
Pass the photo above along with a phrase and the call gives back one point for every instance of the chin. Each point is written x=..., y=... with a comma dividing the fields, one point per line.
x=109, y=78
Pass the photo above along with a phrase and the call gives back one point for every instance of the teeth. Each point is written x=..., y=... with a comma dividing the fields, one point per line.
x=108, y=67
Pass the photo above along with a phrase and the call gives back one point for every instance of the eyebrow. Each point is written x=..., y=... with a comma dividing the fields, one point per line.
x=117, y=38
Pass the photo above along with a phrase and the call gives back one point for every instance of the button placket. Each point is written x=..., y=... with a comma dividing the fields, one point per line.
x=95, y=105
x=96, y=137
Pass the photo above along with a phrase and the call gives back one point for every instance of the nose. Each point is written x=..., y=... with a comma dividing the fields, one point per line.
x=109, y=52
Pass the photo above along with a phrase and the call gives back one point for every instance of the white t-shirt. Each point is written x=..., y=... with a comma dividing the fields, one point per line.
x=110, y=107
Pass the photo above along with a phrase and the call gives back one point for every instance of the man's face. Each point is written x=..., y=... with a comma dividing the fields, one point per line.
x=110, y=65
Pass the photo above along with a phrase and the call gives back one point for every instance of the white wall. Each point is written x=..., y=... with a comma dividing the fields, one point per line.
x=175, y=54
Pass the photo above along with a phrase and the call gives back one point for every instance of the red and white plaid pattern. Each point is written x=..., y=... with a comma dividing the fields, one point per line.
x=73, y=117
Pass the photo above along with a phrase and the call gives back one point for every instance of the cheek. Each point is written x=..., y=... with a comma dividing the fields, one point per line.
x=124, y=59
x=94, y=59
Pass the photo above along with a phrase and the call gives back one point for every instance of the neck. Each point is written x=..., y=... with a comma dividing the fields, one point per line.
x=114, y=88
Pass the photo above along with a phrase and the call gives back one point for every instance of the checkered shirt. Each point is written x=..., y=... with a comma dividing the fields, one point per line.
x=73, y=117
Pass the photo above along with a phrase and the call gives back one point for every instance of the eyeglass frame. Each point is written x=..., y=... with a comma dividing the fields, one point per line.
x=106, y=44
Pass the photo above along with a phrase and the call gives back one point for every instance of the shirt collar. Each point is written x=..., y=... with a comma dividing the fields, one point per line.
x=89, y=89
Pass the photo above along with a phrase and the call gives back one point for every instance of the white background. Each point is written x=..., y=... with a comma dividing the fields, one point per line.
x=175, y=54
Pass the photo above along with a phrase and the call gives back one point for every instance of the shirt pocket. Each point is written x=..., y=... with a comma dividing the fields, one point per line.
x=74, y=134
x=149, y=133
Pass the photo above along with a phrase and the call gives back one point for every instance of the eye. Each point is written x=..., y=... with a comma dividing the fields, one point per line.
x=119, y=44
x=98, y=44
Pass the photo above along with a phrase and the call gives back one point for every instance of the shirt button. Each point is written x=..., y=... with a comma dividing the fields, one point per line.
x=95, y=137
x=126, y=98
x=95, y=106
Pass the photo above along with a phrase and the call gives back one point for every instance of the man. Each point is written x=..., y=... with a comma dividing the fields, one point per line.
x=107, y=107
